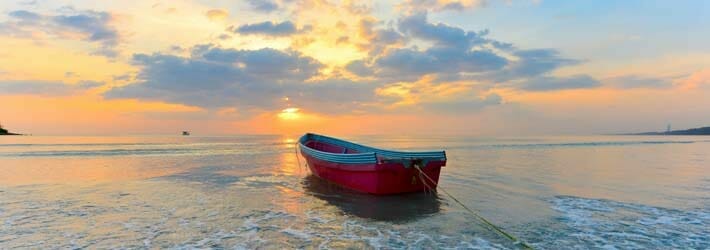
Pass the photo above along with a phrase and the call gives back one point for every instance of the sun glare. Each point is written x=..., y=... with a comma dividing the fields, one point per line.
x=289, y=114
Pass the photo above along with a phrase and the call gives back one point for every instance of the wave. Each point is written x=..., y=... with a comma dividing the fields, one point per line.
x=599, y=223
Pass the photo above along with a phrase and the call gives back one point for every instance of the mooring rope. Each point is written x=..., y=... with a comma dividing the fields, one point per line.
x=477, y=216
x=295, y=151
x=427, y=188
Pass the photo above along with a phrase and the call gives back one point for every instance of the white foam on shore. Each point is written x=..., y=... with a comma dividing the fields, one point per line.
x=264, y=229
x=598, y=223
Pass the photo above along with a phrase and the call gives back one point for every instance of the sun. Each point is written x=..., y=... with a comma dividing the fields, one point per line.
x=289, y=114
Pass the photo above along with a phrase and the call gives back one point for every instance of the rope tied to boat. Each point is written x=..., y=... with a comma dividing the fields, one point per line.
x=490, y=225
x=295, y=151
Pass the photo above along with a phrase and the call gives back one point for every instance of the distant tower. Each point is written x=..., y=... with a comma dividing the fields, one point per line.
x=668, y=129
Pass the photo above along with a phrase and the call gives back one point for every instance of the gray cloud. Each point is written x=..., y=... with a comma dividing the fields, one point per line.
x=410, y=64
x=457, y=54
x=25, y=16
x=29, y=2
x=537, y=62
x=336, y=96
x=358, y=67
x=214, y=77
x=123, y=77
x=529, y=64
x=437, y=5
x=379, y=39
x=44, y=88
x=264, y=5
x=418, y=26
x=545, y=83
x=633, y=81
x=93, y=26
x=464, y=106
x=270, y=29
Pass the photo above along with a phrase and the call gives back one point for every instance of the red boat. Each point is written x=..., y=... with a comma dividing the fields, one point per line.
x=371, y=170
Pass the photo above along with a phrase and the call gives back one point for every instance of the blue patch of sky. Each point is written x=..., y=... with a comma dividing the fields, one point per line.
x=595, y=30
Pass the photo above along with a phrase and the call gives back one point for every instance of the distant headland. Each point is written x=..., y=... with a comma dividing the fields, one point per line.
x=692, y=131
x=4, y=131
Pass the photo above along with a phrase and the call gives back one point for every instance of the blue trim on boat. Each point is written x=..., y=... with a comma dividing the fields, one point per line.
x=367, y=155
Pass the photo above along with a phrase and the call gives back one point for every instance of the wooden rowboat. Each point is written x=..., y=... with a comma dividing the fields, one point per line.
x=368, y=169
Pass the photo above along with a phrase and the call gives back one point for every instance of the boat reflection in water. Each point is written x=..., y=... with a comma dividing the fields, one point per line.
x=394, y=208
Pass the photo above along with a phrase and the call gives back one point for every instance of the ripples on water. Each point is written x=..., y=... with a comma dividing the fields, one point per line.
x=249, y=192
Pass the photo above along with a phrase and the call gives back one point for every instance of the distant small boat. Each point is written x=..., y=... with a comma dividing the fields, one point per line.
x=368, y=169
x=185, y=133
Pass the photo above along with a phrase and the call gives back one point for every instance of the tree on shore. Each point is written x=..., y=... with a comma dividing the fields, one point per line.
x=2, y=130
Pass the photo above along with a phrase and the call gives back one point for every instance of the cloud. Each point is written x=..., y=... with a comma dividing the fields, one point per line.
x=89, y=26
x=418, y=26
x=342, y=40
x=217, y=14
x=633, y=81
x=263, y=5
x=546, y=83
x=439, y=61
x=696, y=79
x=449, y=5
x=410, y=64
x=25, y=16
x=29, y=2
x=45, y=88
x=270, y=29
x=335, y=96
x=214, y=78
x=460, y=107
x=123, y=77
x=455, y=54
x=441, y=5
x=536, y=62
x=359, y=67
x=378, y=40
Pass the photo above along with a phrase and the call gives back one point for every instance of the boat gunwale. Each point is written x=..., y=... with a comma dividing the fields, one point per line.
x=370, y=156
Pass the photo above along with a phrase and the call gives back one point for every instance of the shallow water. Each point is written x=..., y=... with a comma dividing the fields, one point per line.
x=628, y=192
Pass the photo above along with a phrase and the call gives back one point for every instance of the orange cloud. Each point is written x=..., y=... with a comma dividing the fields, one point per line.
x=696, y=79
x=217, y=14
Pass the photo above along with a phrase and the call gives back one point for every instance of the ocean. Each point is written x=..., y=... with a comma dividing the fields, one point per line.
x=585, y=192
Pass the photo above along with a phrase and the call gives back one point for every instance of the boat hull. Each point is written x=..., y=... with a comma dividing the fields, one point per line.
x=379, y=178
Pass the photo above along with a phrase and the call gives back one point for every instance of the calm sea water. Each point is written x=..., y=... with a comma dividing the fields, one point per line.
x=627, y=192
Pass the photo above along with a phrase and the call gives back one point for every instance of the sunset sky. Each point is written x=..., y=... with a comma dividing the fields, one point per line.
x=474, y=67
